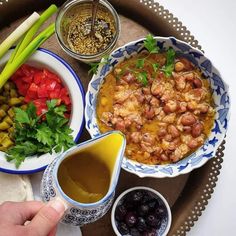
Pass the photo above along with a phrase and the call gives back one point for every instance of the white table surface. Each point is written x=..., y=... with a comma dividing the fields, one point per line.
x=213, y=23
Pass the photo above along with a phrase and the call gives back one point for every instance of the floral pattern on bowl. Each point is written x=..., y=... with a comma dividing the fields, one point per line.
x=220, y=96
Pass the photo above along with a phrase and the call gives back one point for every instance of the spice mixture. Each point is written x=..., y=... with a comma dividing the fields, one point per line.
x=78, y=35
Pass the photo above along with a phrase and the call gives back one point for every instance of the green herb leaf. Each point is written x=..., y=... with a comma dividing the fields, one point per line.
x=45, y=135
x=19, y=152
x=21, y=116
x=60, y=110
x=94, y=65
x=155, y=66
x=51, y=103
x=36, y=136
x=93, y=68
x=150, y=44
x=168, y=69
x=140, y=63
x=31, y=110
x=170, y=56
x=170, y=59
x=142, y=78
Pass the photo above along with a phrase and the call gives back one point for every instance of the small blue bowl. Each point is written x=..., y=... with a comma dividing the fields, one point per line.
x=219, y=92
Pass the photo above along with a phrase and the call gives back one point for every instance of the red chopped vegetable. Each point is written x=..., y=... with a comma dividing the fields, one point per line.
x=40, y=85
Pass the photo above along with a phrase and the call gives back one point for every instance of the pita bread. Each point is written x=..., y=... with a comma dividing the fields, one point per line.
x=15, y=188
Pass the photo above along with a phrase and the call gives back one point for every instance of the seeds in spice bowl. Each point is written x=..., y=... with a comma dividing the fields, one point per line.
x=81, y=41
x=75, y=34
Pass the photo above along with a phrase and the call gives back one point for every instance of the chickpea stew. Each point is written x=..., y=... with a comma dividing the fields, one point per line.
x=161, y=102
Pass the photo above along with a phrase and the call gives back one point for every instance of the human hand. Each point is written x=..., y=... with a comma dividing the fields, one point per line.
x=43, y=218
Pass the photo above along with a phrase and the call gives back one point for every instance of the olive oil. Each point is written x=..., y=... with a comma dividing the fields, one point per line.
x=83, y=177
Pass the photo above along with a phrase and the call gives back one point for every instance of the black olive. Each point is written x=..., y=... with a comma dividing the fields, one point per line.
x=160, y=211
x=153, y=221
x=130, y=219
x=136, y=197
x=143, y=209
x=146, y=198
x=120, y=212
x=129, y=204
x=152, y=204
x=141, y=224
x=152, y=232
x=132, y=200
x=123, y=228
x=134, y=232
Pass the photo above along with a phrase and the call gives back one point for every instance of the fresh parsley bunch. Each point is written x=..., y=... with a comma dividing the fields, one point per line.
x=37, y=135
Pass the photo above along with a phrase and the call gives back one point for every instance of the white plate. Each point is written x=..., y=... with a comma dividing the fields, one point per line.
x=44, y=58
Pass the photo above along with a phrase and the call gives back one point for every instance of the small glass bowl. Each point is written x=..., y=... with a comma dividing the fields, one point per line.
x=84, y=8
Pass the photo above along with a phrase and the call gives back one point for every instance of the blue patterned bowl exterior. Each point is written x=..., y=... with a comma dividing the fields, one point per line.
x=76, y=214
x=219, y=92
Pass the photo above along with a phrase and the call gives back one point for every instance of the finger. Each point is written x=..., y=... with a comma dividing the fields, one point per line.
x=19, y=212
x=53, y=232
x=13, y=230
x=47, y=218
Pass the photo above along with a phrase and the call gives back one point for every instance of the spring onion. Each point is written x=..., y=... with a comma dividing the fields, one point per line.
x=17, y=33
x=26, y=53
x=29, y=35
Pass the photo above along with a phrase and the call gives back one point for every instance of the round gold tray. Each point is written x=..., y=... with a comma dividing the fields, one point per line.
x=187, y=195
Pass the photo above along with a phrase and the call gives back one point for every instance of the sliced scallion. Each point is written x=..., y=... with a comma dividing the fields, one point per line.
x=26, y=53
x=17, y=33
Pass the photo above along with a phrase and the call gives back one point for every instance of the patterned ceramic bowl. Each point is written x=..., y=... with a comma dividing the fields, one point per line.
x=220, y=97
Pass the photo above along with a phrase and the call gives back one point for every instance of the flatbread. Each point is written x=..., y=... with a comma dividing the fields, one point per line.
x=15, y=188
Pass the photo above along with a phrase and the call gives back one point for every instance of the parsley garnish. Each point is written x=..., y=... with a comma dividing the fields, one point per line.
x=170, y=59
x=140, y=63
x=94, y=65
x=142, y=78
x=136, y=67
x=39, y=135
x=151, y=44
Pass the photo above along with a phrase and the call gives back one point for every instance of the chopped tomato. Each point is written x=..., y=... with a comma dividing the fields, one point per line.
x=40, y=85
x=65, y=99
x=55, y=94
x=38, y=77
x=64, y=92
x=22, y=87
x=50, y=84
x=51, y=75
x=28, y=70
x=28, y=79
x=33, y=91
x=42, y=92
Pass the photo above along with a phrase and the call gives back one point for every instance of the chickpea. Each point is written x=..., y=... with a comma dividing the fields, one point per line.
x=179, y=66
x=104, y=101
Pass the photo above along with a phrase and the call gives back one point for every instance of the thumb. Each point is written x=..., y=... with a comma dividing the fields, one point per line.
x=47, y=218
